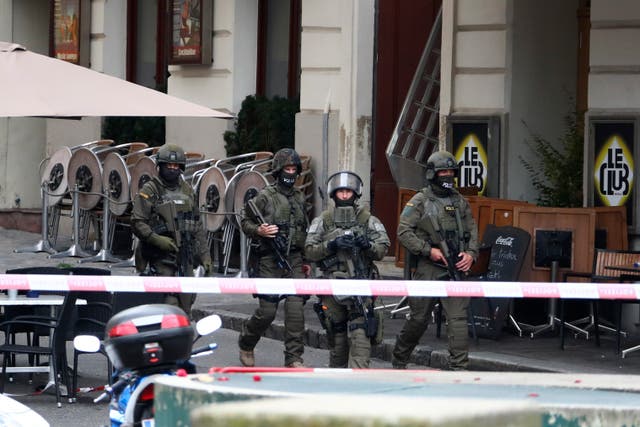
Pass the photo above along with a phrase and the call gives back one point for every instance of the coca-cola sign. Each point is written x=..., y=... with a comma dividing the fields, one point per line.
x=505, y=241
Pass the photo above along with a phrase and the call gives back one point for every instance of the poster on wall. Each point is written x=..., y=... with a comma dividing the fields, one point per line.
x=613, y=166
x=190, y=32
x=66, y=30
x=470, y=142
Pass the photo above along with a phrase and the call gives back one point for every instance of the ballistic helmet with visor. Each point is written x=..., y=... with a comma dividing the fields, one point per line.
x=171, y=153
x=438, y=161
x=344, y=179
x=285, y=157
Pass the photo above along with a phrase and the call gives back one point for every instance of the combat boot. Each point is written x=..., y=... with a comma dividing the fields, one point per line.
x=296, y=364
x=247, y=358
x=397, y=364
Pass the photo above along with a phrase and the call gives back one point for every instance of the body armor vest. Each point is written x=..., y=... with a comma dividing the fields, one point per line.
x=447, y=211
x=345, y=264
x=289, y=216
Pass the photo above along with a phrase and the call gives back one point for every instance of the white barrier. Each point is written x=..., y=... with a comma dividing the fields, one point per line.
x=231, y=285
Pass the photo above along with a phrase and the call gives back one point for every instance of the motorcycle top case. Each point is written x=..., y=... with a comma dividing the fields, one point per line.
x=148, y=335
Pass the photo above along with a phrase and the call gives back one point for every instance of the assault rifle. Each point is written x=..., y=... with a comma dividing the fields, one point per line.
x=278, y=243
x=179, y=226
x=360, y=269
x=357, y=269
x=449, y=249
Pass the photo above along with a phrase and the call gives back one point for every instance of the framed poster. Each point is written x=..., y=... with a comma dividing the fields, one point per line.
x=70, y=24
x=191, y=31
x=613, y=164
x=475, y=144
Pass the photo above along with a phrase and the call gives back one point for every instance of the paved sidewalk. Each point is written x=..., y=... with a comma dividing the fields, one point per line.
x=510, y=353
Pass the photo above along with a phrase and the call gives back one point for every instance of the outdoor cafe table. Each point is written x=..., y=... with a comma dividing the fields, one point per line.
x=41, y=300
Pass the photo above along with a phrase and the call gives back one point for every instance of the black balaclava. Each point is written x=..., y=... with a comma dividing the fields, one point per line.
x=287, y=179
x=442, y=185
x=351, y=201
x=169, y=176
x=446, y=182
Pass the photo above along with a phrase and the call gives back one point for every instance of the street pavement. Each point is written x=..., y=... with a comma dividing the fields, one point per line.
x=509, y=353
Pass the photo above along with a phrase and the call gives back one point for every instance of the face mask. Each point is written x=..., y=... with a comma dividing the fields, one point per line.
x=446, y=182
x=287, y=179
x=170, y=176
x=342, y=203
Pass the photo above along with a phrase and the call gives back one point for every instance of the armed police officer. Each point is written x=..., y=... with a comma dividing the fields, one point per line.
x=437, y=228
x=344, y=241
x=276, y=217
x=166, y=220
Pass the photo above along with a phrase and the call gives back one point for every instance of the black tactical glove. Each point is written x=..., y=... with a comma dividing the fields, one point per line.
x=362, y=242
x=341, y=242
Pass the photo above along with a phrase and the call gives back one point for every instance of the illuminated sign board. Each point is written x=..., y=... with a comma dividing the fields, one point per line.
x=613, y=167
x=470, y=149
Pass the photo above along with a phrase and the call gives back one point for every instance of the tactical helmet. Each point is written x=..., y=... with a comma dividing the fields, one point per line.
x=285, y=157
x=171, y=153
x=344, y=179
x=438, y=161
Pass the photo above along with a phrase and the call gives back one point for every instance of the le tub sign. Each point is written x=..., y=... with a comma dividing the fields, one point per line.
x=470, y=150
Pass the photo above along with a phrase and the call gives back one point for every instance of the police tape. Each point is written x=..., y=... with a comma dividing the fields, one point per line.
x=233, y=285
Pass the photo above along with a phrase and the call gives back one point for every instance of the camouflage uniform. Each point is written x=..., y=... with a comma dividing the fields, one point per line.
x=284, y=206
x=345, y=322
x=146, y=222
x=454, y=216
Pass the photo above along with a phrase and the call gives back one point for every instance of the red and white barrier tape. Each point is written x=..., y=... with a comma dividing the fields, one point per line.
x=229, y=285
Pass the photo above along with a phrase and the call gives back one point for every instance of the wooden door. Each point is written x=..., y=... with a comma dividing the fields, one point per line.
x=403, y=28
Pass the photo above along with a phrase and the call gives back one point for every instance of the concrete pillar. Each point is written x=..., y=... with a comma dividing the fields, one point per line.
x=337, y=64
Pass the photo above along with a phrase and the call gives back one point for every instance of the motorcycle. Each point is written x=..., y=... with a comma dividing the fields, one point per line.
x=144, y=342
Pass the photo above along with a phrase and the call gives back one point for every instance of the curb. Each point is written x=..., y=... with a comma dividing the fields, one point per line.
x=423, y=355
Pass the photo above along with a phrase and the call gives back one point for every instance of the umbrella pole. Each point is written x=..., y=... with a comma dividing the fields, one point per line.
x=43, y=245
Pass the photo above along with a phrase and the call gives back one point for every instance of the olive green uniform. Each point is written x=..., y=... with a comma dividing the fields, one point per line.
x=146, y=220
x=284, y=207
x=351, y=347
x=453, y=212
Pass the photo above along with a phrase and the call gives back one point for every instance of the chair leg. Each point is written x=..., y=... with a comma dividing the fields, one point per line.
x=4, y=372
x=74, y=379
x=596, y=322
x=12, y=340
x=618, y=305
x=56, y=378
x=561, y=324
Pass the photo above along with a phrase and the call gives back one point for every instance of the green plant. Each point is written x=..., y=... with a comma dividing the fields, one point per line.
x=263, y=125
x=135, y=129
x=556, y=173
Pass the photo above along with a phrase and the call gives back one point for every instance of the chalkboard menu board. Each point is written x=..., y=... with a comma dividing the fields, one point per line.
x=508, y=248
